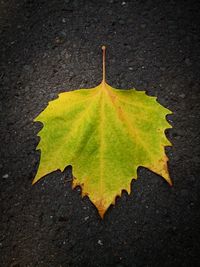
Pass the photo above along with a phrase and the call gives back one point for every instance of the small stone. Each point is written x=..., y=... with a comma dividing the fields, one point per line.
x=59, y=40
x=174, y=86
x=67, y=55
x=100, y=242
x=5, y=176
x=123, y=3
x=27, y=88
x=182, y=95
x=130, y=68
x=63, y=20
x=86, y=218
x=188, y=62
x=143, y=25
x=71, y=74
x=27, y=67
x=63, y=66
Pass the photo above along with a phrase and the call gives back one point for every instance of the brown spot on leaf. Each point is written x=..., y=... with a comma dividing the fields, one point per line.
x=101, y=207
x=161, y=168
x=75, y=183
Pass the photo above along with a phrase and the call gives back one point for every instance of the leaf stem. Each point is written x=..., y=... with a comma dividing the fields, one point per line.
x=104, y=63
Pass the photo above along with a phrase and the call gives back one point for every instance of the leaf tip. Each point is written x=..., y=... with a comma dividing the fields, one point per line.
x=170, y=182
x=34, y=181
x=101, y=208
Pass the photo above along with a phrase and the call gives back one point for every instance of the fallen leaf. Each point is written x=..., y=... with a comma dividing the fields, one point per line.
x=105, y=134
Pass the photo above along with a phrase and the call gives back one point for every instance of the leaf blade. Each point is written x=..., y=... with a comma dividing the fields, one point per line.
x=107, y=134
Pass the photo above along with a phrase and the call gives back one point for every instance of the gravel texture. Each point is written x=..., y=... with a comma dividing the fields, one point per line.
x=52, y=46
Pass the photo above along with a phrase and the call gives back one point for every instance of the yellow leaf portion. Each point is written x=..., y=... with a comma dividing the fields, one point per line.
x=105, y=134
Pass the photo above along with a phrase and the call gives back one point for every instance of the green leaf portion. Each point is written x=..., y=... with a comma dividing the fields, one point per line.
x=105, y=134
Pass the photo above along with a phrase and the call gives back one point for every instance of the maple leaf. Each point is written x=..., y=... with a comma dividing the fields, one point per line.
x=105, y=134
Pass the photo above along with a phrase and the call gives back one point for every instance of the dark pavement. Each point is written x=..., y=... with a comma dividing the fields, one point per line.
x=47, y=47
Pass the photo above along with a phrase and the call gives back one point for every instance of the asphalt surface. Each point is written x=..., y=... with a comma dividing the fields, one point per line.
x=48, y=47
